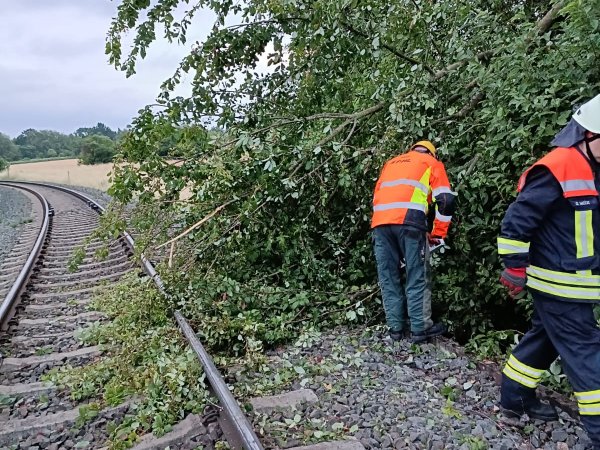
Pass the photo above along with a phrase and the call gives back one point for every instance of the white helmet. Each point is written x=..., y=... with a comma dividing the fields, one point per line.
x=588, y=115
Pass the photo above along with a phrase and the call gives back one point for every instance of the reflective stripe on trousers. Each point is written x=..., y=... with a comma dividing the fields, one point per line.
x=568, y=329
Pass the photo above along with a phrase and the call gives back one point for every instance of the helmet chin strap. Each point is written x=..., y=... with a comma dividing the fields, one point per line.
x=587, y=146
x=589, y=151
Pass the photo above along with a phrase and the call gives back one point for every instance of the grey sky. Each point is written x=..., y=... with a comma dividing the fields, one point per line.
x=54, y=73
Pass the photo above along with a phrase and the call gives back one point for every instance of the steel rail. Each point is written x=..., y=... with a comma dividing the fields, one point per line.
x=235, y=423
x=10, y=300
x=91, y=203
x=240, y=431
x=237, y=428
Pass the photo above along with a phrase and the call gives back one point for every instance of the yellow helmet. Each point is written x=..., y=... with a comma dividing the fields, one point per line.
x=427, y=144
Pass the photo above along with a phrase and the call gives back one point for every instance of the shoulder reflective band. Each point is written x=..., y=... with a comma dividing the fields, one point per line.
x=522, y=373
x=577, y=185
x=560, y=290
x=442, y=218
x=588, y=402
x=554, y=276
x=399, y=205
x=584, y=233
x=406, y=182
x=443, y=190
x=511, y=246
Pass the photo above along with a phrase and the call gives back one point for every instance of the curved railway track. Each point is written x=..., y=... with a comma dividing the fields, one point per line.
x=45, y=303
x=41, y=312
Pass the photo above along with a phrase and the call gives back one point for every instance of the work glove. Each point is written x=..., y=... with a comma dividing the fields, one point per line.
x=515, y=280
x=433, y=240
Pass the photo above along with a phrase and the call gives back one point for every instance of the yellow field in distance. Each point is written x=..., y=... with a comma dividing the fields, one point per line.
x=64, y=171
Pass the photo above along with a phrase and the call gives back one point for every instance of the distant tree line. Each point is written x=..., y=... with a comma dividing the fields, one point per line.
x=92, y=145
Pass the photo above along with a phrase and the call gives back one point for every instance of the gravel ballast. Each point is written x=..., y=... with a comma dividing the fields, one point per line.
x=395, y=395
x=15, y=211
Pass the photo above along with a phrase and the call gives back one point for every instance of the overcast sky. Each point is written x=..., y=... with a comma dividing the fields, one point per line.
x=54, y=73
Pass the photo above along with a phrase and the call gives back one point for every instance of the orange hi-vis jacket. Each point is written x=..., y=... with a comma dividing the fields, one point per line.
x=405, y=189
x=570, y=169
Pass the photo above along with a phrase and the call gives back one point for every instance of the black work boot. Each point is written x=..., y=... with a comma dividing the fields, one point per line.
x=537, y=410
x=396, y=336
x=437, y=329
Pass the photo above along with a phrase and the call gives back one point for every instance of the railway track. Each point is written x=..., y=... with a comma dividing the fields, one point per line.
x=45, y=304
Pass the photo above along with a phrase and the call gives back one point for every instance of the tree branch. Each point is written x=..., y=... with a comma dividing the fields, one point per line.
x=349, y=119
x=197, y=224
x=351, y=133
x=390, y=49
x=542, y=26
x=354, y=118
x=481, y=56
x=546, y=22
x=473, y=84
x=357, y=116
x=475, y=100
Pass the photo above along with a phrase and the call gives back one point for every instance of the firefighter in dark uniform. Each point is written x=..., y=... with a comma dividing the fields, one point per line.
x=550, y=242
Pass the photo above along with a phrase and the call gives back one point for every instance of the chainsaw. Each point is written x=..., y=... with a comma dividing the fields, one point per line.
x=432, y=249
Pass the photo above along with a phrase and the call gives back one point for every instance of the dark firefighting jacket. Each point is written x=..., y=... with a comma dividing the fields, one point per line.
x=553, y=227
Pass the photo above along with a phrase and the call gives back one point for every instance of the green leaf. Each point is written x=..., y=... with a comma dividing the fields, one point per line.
x=299, y=370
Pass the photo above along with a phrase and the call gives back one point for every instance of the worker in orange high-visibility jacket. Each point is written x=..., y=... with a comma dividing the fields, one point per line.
x=407, y=186
x=550, y=244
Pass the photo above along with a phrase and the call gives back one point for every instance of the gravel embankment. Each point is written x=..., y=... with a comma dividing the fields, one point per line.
x=396, y=396
x=15, y=211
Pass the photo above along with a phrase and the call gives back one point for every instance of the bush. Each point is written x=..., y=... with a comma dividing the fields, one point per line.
x=96, y=149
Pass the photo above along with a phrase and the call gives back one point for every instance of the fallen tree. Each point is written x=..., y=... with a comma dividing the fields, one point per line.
x=286, y=187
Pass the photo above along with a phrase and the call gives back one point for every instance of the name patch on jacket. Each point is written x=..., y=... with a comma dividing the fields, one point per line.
x=584, y=203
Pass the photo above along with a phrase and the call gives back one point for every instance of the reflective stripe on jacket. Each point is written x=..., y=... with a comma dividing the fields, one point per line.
x=553, y=227
x=405, y=188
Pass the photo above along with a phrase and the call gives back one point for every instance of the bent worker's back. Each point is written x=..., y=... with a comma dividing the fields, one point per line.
x=405, y=189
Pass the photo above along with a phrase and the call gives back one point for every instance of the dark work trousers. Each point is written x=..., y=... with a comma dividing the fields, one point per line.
x=392, y=244
x=562, y=328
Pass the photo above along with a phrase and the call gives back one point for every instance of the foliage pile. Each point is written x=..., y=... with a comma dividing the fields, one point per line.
x=349, y=84
x=146, y=357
